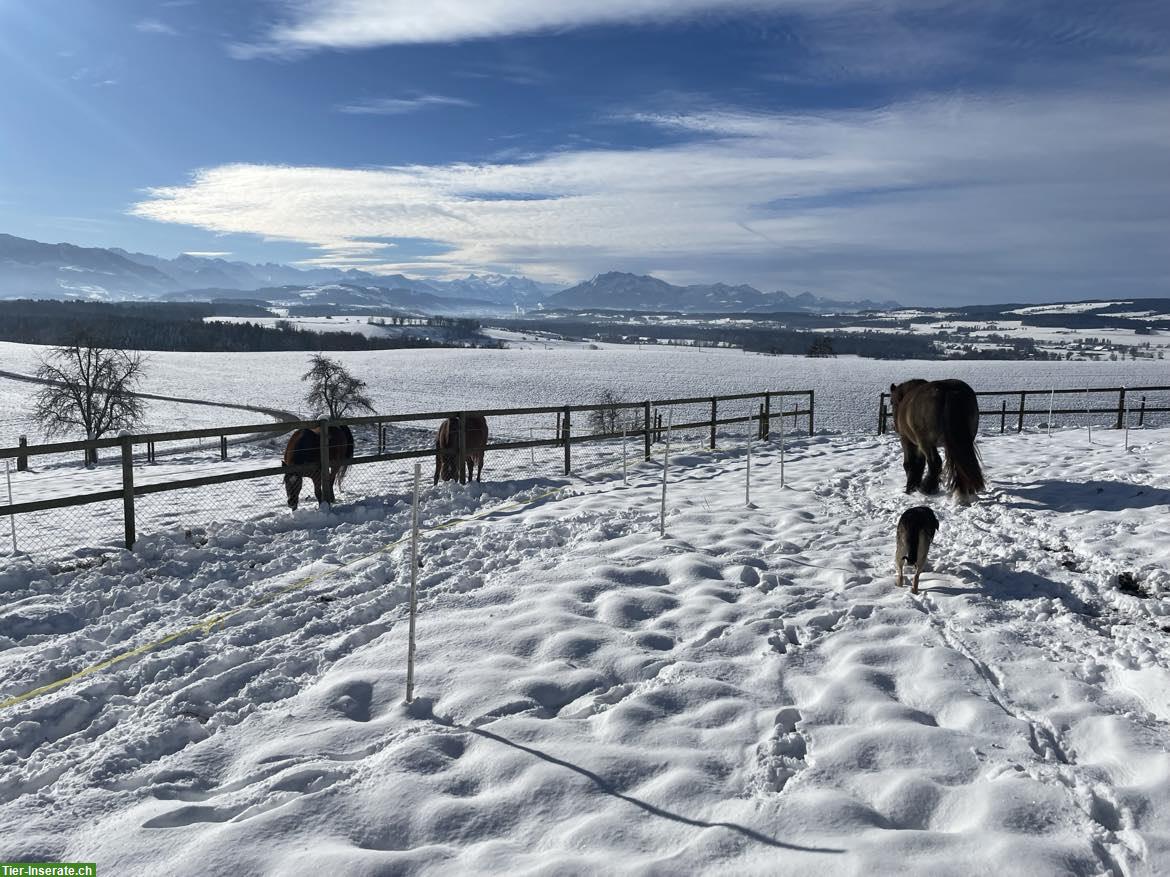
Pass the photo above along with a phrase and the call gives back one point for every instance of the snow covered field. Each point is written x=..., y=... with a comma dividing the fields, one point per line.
x=404, y=381
x=750, y=694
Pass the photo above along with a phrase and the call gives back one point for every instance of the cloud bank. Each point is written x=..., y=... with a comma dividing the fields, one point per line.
x=1019, y=197
x=355, y=24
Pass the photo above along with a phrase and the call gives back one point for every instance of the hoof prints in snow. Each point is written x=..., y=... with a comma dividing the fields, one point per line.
x=590, y=694
x=782, y=755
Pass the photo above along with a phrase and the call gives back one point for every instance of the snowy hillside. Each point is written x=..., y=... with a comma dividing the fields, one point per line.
x=750, y=694
x=402, y=381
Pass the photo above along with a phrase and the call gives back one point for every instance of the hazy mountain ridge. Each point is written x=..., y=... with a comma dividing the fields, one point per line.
x=619, y=290
x=34, y=269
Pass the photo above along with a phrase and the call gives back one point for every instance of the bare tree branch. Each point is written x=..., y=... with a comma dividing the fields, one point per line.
x=333, y=391
x=88, y=387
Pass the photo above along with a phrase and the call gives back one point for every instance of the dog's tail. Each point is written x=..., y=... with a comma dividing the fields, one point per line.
x=907, y=544
x=922, y=548
x=960, y=422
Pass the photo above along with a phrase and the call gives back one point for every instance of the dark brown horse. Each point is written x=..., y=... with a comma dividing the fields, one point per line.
x=932, y=413
x=475, y=438
x=303, y=457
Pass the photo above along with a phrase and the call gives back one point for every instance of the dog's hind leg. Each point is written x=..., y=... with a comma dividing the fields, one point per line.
x=924, y=539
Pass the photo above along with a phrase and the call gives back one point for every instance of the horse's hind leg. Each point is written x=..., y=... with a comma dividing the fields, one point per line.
x=329, y=495
x=317, y=488
x=913, y=462
x=479, y=469
x=933, y=470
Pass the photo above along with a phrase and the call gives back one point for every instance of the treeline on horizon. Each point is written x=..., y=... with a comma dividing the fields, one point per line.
x=180, y=327
x=874, y=345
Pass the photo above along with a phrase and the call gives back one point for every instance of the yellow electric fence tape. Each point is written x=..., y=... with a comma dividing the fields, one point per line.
x=211, y=621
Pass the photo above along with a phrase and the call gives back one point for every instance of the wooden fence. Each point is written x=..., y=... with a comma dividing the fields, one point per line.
x=1020, y=411
x=566, y=437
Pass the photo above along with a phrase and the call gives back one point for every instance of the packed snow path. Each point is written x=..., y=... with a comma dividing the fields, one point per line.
x=750, y=694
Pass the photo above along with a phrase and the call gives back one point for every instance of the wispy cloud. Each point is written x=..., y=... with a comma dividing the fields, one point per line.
x=1013, y=196
x=352, y=24
x=154, y=26
x=398, y=106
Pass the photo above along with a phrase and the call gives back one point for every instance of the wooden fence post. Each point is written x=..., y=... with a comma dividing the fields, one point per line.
x=22, y=460
x=461, y=448
x=646, y=425
x=713, y=403
x=1142, y=412
x=760, y=424
x=1020, y=422
x=323, y=452
x=1002, y=416
x=566, y=420
x=882, y=415
x=766, y=426
x=223, y=447
x=811, y=409
x=128, y=490
x=1120, y=407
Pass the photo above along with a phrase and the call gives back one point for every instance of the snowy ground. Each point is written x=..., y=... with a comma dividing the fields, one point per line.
x=750, y=694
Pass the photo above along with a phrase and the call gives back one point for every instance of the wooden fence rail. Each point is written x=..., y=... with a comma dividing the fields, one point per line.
x=562, y=439
x=1021, y=410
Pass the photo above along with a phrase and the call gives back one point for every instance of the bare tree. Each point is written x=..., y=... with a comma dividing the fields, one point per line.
x=333, y=391
x=609, y=418
x=91, y=388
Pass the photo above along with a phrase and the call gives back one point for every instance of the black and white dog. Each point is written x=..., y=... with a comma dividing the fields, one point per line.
x=916, y=529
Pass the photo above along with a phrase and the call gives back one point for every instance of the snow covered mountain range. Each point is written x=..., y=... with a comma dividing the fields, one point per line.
x=616, y=290
x=30, y=268
x=33, y=269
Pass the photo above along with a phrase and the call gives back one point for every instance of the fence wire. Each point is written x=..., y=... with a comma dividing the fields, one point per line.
x=586, y=442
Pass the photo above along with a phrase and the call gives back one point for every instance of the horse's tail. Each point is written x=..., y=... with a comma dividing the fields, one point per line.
x=960, y=423
x=347, y=449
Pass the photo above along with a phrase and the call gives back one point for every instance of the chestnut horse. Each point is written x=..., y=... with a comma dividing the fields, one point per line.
x=475, y=433
x=930, y=413
x=304, y=453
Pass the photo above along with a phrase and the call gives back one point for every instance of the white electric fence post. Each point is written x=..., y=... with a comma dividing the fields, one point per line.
x=1126, y=410
x=1088, y=416
x=781, y=445
x=413, y=586
x=11, y=518
x=1051, y=393
x=625, y=479
x=747, y=487
x=665, y=462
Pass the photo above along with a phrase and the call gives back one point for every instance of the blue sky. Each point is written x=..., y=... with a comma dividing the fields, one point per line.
x=931, y=151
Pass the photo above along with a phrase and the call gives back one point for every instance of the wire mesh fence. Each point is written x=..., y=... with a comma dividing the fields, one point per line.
x=183, y=481
x=1004, y=411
